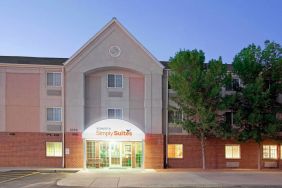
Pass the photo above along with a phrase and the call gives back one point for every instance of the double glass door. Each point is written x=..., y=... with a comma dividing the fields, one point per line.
x=115, y=154
x=100, y=154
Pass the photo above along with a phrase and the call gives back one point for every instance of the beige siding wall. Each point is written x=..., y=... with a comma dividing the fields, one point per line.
x=2, y=99
x=22, y=102
x=24, y=99
x=98, y=97
x=95, y=56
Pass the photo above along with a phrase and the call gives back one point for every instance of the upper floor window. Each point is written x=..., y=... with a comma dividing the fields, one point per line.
x=114, y=113
x=175, y=116
x=54, y=79
x=269, y=151
x=54, y=114
x=234, y=85
x=229, y=118
x=115, y=80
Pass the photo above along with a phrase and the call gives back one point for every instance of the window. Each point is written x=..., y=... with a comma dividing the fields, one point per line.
x=54, y=114
x=269, y=151
x=280, y=151
x=232, y=151
x=234, y=85
x=114, y=113
x=175, y=116
x=175, y=151
x=229, y=118
x=115, y=80
x=54, y=149
x=54, y=79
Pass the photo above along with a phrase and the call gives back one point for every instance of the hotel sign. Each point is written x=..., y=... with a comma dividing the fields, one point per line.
x=113, y=130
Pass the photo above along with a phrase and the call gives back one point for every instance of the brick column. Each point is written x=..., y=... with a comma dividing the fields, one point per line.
x=74, y=142
x=154, y=151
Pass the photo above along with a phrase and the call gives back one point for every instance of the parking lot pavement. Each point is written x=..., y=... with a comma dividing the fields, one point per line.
x=31, y=179
x=15, y=174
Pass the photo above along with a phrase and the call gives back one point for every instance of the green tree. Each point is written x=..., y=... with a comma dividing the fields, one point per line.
x=198, y=89
x=256, y=104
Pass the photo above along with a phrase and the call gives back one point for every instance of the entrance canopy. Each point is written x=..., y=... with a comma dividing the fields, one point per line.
x=113, y=130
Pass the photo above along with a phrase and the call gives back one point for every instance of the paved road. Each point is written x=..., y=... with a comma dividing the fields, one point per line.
x=30, y=179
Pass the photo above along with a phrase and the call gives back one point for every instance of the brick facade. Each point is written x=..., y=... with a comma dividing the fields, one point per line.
x=74, y=142
x=154, y=151
x=27, y=150
x=215, y=153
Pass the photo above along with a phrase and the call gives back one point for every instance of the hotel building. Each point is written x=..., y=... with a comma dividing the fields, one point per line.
x=104, y=107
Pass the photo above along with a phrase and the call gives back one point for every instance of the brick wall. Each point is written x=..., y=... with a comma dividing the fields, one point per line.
x=74, y=142
x=154, y=151
x=27, y=150
x=215, y=153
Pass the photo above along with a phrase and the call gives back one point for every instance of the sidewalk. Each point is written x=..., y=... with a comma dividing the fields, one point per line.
x=109, y=178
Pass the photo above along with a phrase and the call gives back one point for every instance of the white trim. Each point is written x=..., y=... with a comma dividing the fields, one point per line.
x=113, y=20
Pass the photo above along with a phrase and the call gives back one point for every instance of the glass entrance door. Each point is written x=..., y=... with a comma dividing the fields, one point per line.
x=115, y=154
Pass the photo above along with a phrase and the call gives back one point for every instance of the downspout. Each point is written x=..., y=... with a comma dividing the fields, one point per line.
x=63, y=115
x=166, y=120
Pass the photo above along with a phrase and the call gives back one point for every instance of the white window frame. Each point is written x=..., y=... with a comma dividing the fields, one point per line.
x=115, y=112
x=51, y=72
x=61, y=110
x=269, y=150
x=54, y=155
x=232, y=145
x=115, y=80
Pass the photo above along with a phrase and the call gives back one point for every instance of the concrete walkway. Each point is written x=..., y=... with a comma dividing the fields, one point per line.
x=109, y=178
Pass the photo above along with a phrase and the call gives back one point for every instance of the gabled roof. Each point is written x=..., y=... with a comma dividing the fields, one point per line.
x=113, y=21
x=32, y=60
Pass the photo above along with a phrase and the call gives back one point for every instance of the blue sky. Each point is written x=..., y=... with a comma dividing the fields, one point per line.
x=57, y=28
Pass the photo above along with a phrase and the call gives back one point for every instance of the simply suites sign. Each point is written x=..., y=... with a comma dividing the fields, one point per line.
x=113, y=130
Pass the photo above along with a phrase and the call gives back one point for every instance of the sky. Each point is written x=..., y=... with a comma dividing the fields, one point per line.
x=58, y=28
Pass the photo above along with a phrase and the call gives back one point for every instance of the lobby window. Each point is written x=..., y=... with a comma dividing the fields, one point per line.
x=114, y=113
x=175, y=151
x=54, y=114
x=115, y=80
x=232, y=151
x=269, y=151
x=54, y=79
x=54, y=149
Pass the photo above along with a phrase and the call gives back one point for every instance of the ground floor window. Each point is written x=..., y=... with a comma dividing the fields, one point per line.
x=232, y=151
x=101, y=154
x=269, y=151
x=175, y=151
x=281, y=152
x=54, y=149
